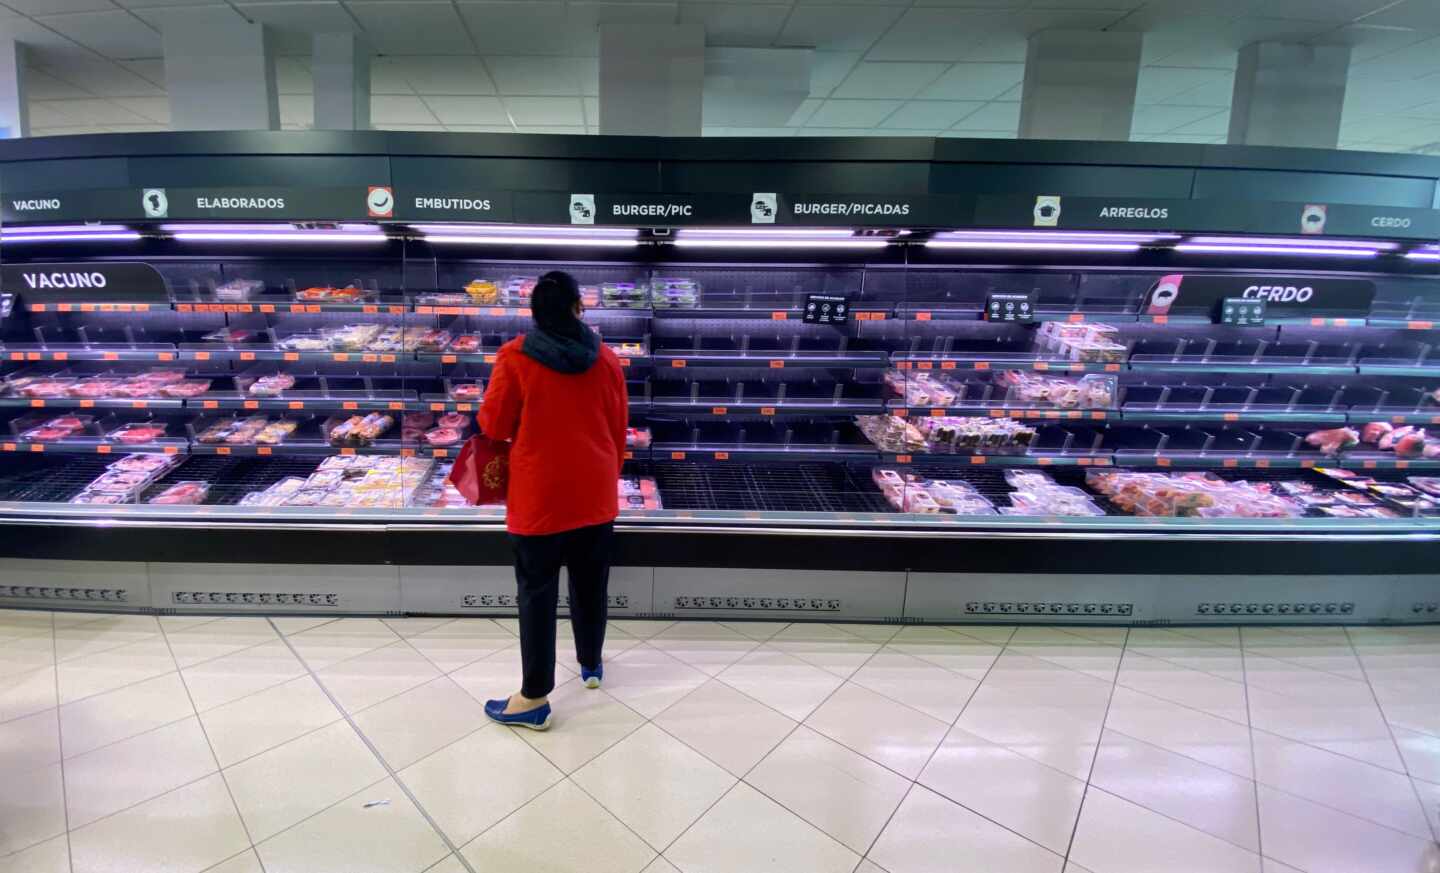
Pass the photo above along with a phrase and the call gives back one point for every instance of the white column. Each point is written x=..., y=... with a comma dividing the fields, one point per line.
x=14, y=110
x=340, y=66
x=651, y=78
x=1080, y=85
x=1289, y=95
x=220, y=75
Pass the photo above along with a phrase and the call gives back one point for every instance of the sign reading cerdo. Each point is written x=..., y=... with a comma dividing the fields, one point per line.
x=1283, y=295
x=129, y=281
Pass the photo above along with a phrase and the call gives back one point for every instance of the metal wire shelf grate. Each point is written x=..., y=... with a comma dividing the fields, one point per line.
x=767, y=488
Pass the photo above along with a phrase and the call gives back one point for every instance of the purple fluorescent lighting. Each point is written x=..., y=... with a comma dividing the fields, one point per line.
x=279, y=236
x=504, y=240
x=765, y=233
x=1057, y=236
x=1022, y=245
x=68, y=228
x=1277, y=250
x=524, y=230
x=1294, y=242
x=14, y=237
x=1423, y=256
x=272, y=227
x=786, y=243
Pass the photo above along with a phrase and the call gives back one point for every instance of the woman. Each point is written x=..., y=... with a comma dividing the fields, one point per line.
x=559, y=394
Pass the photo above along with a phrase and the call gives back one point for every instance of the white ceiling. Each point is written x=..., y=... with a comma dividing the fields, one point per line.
x=882, y=67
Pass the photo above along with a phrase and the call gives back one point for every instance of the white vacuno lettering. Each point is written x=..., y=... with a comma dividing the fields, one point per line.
x=31, y=205
x=64, y=280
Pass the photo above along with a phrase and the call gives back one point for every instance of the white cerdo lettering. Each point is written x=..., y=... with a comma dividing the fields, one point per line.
x=652, y=210
x=31, y=205
x=239, y=202
x=1135, y=212
x=64, y=280
x=464, y=204
x=850, y=208
x=1389, y=221
x=1280, y=293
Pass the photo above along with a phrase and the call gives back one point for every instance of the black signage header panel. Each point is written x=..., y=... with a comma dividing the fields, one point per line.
x=100, y=204
x=128, y=281
x=160, y=204
x=454, y=204
x=1284, y=295
x=1332, y=219
x=1056, y=211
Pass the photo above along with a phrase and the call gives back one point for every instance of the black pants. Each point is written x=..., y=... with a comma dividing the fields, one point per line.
x=585, y=552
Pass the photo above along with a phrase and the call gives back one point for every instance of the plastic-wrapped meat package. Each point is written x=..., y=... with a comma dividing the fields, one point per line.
x=443, y=436
x=100, y=498
x=269, y=386
x=1335, y=440
x=637, y=437
x=144, y=463
x=638, y=493
x=182, y=494
x=482, y=291
x=58, y=428
x=465, y=344
x=44, y=388
x=466, y=392
x=188, y=388
x=239, y=289
x=137, y=434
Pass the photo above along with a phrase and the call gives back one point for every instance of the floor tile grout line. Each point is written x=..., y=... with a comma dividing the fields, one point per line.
x=1389, y=729
x=1089, y=776
x=390, y=771
x=250, y=848
x=214, y=756
x=60, y=740
x=1250, y=735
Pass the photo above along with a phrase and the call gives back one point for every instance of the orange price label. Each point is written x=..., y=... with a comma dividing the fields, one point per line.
x=292, y=356
x=425, y=310
x=1340, y=322
x=37, y=447
x=718, y=410
x=60, y=356
x=397, y=310
x=1098, y=416
x=903, y=365
x=1075, y=317
x=347, y=451
x=37, y=403
x=102, y=450
x=17, y=356
x=982, y=365
x=87, y=404
x=947, y=365
x=677, y=365
x=172, y=450
x=166, y=356
x=937, y=412
x=1402, y=465
x=349, y=404
x=1230, y=462
x=1307, y=464
x=297, y=404
x=903, y=459
x=997, y=413
x=9, y=447
x=1370, y=465
x=247, y=356
x=314, y=307
x=495, y=310
x=1163, y=462
x=901, y=413
x=437, y=407
x=489, y=359
x=252, y=404
x=777, y=365
x=263, y=450
x=1420, y=325
x=387, y=359
x=464, y=407
x=267, y=307
x=1044, y=462
x=341, y=356
x=978, y=459
x=407, y=453
x=202, y=356
x=210, y=404
x=722, y=456
x=449, y=359
x=677, y=456
x=1262, y=463
x=397, y=404
x=767, y=410
x=779, y=316
x=1232, y=416
x=629, y=456
x=926, y=365
x=87, y=307
x=37, y=307
x=139, y=404
x=109, y=356
x=1049, y=413
x=184, y=307
x=1317, y=322
x=624, y=362
x=922, y=316
x=222, y=450
x=369, y=359
x=370, y=309
x=439, y=453
x=1042, y=365
x=1112, y=368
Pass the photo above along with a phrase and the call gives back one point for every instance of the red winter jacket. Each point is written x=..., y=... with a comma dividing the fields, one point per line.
x=568, y=433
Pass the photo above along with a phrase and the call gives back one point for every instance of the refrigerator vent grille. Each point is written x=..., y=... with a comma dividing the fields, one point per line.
x=254, y=598
x=792, y=604
x=988, y=607
x=1237, y=608
x=36, y=592
x=507, y=601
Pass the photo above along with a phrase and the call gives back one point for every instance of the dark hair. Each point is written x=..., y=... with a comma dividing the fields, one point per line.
x=552, y=303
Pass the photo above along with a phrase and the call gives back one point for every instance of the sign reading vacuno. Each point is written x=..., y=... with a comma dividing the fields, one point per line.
x=128, y=281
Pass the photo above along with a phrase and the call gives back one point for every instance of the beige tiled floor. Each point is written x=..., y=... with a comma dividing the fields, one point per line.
x=130, y=744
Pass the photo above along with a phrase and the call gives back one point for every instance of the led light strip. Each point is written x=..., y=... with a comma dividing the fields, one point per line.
x=1277, y=250
x=524, y=230
x=767, y=233
x=1293, y=242
x=1026, y=245
x=279, y=236
x=1053, y=236
x=500, y=239
x=788, y=243
x=16, y=236
x=66, y=228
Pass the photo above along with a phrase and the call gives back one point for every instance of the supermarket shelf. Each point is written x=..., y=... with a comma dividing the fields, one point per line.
x=87, y=403
x=323, y=449
x=1431, y=371
x=1233, y=414
x=1031, y=459
x=1258, y=368
x=1393, y=416
x=1207, y=460
x=274, y=354
x=1393, y=323
x=93, y=446
x=65, y=353
x=301, y=401
x=1020, y=362
x=767, y=409
x=852, y=361
x=1007, y=412
x=761, y=452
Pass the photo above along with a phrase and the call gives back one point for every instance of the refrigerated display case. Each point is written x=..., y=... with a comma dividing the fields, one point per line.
x=974, y=418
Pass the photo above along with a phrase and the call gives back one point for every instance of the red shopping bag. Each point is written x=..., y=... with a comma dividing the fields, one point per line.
x=482, y=471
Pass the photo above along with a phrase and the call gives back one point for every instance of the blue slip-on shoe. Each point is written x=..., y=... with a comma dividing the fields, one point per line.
x=537, y=719
x=592, y=678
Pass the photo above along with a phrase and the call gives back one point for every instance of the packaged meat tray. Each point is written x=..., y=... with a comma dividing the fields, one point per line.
x=271, y=385
x=230, y=335
x=675, y=293
x=190, y=493
x=304, y=342
x=465, y=344
x=443, y=298
x=239, y=289
x=443, y=436
x=516, y=290
x=56, y=428
x=188, y=388
x=624, y=295
x=152, y=464
x=639, y=492
x=1190, y=494
x=358, y=430
x=329, y=294
x=44, y=388
x=907, y=492
x=637, y=437
x=482, y=291
x=138, y=434
x=101, y=498
x=628, y=350
x=466, y=392
x=1025, y=388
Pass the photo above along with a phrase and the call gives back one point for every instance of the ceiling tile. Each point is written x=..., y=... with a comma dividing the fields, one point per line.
x=1211, y=125
x=1197, y=139
x=759, y=131
x=1368, y=42
x=837, y=28
x=552, y=128
x=852, y=113
x=389, y=110
x=196, y=15
x=40, y=85
x=311, y=16
x=1159, y=84
x=536, y=76
x=737, y=25
x=468, y=110
x=47, y=113
x=145, y=4
x=592, y=111
x=456, y=75
x=829, y=69
x=413, y=27
x=803, y=112
x=1217, y=92
x=833, y=131
x=880, y=79
x=1163, y=119
x=956, y=133
x=297, y=110
x=1421, y=14
x=992, y=116
x=113, y=34
x=292, y=76
x=479, y=128
x=424, y=128
x=937, y=114
x=156, y=109
x=103, y=78
x=532, y=111
x=135, y=128
x=531, y=28
x=940, y=34
x=150, y=69
x=66, y=131
x=94, y=112
x=50, y=7
x=975, y=82
x=387, y=76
